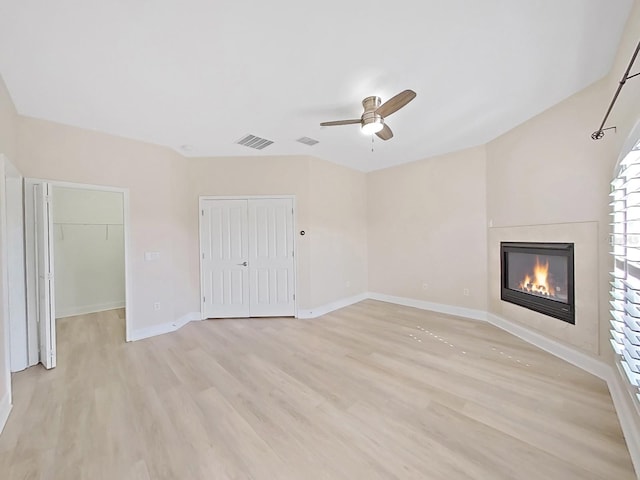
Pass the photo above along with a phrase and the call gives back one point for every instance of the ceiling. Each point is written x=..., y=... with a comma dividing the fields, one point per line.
x=205, y=73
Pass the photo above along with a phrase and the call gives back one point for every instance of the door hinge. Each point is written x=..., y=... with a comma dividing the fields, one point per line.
x=294, y=296
x=47, y=198
x=203, y=213
x=204, y=300
x=49, y=276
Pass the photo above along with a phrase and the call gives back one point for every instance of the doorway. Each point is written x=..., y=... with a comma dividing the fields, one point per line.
x=76, y=256
x=247, y=260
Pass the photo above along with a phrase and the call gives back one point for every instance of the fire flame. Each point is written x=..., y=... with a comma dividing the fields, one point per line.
x=538, y=283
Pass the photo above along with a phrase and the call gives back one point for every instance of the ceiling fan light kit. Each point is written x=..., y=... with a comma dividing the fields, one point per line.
x=374, y=126
x=372, y=119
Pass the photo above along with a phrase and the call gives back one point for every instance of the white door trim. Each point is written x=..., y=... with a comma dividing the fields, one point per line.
x=30, y=265
x=5, y=401
x=203, y=198
x=44, y=291
x=17, y=300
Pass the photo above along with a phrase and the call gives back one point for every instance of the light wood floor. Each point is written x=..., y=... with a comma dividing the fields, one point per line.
x=373, y=391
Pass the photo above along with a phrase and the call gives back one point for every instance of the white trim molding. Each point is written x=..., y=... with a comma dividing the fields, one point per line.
x=163, y=328
x=330, y=307
x=431, y=306
x=85, y=309
x=627, y=415
x=5, y=410
x=29, y=215
x=570, y=354
x=5, y=403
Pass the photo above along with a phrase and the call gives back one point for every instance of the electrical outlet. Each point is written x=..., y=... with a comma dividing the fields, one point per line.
x=425, y=286
x=156, y=306
x=465, y=292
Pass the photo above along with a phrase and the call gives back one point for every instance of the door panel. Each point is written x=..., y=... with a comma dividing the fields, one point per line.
x=44, y=275
x=271, y=262
x=224, y=244
x=247, y=258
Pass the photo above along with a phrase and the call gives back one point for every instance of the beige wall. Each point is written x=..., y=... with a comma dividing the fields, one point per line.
x=164, y=189
x=549, y=171
x=330, y=208
x=427, y=225
x=57, y=152
x=253, y=176
x=7, y=148
x=88, y=241
x=337, y=232
x=7, y=123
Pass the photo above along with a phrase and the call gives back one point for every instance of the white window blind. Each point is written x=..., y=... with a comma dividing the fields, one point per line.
x=625, y=277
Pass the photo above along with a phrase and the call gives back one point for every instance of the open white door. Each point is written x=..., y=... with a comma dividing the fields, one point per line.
x=44, y=274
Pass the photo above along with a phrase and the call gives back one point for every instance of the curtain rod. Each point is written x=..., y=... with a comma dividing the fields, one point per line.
x=598, y=134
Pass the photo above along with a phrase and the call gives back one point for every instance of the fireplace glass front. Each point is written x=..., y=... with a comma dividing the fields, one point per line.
x=539, y=276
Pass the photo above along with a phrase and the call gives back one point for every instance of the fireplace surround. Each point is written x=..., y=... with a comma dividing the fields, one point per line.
x=540, y=277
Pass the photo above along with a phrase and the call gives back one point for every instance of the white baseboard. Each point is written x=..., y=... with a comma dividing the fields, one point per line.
x=84, y=309
x=431, y=306
x=330, y=307
x=5, y=410
x=163, y=328
x=626, y=414
x=570, y=354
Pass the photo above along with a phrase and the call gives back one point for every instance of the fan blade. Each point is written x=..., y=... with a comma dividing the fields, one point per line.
x=339, y=122
x=395, y=103
x=385, y=133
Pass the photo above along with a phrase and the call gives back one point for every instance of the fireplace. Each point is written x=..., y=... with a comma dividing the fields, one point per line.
x=539, y=276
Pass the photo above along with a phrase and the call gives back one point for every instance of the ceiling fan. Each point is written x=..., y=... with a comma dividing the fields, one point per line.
x=372, y=120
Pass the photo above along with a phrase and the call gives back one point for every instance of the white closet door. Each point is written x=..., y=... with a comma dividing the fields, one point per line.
x=271, y=263
x=225, y=245
x=44, y=274
x=247, y=258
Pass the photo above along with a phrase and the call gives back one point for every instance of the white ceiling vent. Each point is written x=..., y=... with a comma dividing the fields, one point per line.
x=307, y=141
x=252, y=141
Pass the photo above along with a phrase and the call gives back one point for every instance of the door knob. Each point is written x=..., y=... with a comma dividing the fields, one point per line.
x=243, y=264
